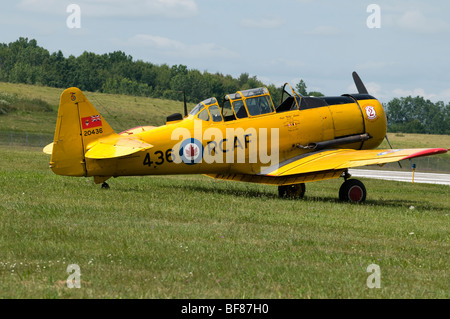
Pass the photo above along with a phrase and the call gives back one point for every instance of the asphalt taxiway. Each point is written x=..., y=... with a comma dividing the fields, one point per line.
x=419, y=177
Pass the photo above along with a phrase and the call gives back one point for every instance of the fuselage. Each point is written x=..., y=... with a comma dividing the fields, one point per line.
x=204, y=143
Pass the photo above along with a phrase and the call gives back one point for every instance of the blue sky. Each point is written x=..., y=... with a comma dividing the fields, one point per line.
x=320, y=41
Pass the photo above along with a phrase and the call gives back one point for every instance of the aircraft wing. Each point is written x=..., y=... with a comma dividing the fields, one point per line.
x=338, y=159
x=115, y=147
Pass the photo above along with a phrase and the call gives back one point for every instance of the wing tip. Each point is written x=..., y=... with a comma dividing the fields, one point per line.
x=427, y=152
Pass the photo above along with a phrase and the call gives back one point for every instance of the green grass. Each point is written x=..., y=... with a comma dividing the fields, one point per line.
x=121, y=111
x=439, y=164
x=409, y=140
x=195, y=237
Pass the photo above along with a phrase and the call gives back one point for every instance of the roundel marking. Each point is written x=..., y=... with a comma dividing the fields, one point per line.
x=191, y=151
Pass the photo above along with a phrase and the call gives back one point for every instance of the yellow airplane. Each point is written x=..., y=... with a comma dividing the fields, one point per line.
x=246, y=138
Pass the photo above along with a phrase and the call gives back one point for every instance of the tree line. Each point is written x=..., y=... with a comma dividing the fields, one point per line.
x=418, y=115
x=23, y=61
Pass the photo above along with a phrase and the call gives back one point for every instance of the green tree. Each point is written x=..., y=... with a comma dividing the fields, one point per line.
x=417, y=115
x=301, y=88
x=315, y=93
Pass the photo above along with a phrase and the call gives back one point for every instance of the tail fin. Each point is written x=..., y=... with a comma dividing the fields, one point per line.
x=78, y=124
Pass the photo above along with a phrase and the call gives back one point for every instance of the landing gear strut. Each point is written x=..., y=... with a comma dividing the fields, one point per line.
x=292, y=191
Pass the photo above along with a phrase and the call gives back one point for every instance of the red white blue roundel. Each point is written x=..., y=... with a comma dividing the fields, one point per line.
x=191, y=151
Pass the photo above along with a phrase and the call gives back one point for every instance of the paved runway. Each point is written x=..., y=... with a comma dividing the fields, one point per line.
x=429, y=178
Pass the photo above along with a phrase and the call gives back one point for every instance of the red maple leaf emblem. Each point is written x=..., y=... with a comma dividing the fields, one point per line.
x=191, y=151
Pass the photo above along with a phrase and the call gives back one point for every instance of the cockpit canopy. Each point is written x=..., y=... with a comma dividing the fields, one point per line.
x=208, y=109
x=242, y=104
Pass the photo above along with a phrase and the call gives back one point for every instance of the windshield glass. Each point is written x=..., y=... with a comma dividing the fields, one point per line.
x=196, y=109
x=203, y=115
x=215, y=113
x=239, y=109
x=290, y=100
x=253, y=92
x=202, y=104
x=259, y=105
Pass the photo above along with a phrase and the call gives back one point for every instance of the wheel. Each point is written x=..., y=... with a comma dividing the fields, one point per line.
x=105, y=185
x=292, y=191
x=352, y=190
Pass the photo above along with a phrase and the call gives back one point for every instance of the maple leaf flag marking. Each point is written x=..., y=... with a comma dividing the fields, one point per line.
x=91, y=121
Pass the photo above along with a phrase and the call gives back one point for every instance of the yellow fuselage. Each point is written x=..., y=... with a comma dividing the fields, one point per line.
x=295, y=128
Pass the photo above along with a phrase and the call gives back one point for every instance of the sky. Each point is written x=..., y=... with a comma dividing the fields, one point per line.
x=398, y=48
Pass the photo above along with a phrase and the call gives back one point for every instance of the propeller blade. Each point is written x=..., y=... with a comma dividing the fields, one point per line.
x=359, y=84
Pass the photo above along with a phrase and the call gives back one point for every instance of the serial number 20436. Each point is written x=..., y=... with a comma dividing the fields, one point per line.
x=93, y=131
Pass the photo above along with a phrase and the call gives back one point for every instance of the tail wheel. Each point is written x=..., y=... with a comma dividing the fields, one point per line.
x=292, y=191
x=352, y=190
x=105, y=185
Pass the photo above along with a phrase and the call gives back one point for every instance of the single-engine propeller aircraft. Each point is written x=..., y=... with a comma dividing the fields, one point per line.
x=246, y=138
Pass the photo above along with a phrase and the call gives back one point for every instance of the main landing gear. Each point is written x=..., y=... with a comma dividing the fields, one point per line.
x=102, y=180
x=352, y=190
x=292, y=191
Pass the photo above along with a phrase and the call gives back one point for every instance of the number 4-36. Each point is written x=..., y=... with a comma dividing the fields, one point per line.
x=161, y=157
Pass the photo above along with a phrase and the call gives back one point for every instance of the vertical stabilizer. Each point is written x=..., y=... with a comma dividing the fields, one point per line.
x=78, y=124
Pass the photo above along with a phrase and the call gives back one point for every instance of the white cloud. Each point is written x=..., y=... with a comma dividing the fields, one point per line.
x=44, y=6
x=179, y=49
x=372, y=87
x=445, y=95
x=271, y=23
x=414, y=93
x=374, y=65
x=434, y=97
x=416, y=21
x=323, y=30
x=156, y=42
x=110, y=8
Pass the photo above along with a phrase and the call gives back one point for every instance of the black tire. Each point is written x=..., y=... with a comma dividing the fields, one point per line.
x=105, y=185
x=292, y=191
x=352, y=190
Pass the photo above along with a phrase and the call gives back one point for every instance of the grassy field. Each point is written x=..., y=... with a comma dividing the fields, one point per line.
x=195, y=237
x=121, y=111
x=439, y=164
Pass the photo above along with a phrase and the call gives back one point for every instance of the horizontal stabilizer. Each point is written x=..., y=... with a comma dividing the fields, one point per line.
x=117, y=147
x=48, y=149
